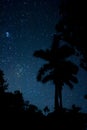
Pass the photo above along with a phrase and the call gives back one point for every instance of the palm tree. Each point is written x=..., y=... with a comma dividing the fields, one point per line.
x=58, y=68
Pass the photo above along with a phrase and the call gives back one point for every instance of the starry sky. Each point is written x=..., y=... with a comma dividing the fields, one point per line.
x=27, y=26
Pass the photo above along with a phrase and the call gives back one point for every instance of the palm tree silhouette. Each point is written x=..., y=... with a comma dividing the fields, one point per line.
x=58, y=68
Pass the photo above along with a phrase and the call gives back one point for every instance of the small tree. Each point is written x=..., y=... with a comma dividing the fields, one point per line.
x=3, y=83
x=46, y=110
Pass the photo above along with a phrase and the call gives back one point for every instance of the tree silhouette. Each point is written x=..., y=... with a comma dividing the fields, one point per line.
x=75, y=108
x=73, y=25
x=46, y=110
x=18, y=100
x=9, y=101
x=58, y=68
x=85, y=96
x=3, y=87
x=3, y=84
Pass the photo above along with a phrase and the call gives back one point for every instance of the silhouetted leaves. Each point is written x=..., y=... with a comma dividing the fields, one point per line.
x=20, y=113
x=75, y=109
x=85, y=96
x=46, y=110
x=73, y=25
x=43, y=54
x=58, y=68
x=3, y=83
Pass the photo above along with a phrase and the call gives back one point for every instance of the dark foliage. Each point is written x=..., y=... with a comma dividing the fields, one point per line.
x=58, y=68
x=18, y=114
x=3, y=83
x=85, y=96
x=9, y=101
x=72, y=26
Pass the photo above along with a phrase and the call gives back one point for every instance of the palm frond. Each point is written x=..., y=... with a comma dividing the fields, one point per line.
x=69, y=84
x=42, y=54
x=72, y=67
x=74, y=79
x=43, y=70
x=66, y=51
x=47, y=78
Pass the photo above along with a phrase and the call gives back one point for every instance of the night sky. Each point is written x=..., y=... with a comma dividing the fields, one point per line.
x=27, y=26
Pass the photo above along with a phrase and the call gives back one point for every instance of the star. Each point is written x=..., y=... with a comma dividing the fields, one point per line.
x=7, y=34
x=19, y=70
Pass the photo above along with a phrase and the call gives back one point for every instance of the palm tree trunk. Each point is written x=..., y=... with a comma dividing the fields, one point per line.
x=56, y=105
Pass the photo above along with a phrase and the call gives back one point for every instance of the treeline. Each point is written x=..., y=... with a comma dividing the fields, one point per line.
x=20, y=113
x=13, y=101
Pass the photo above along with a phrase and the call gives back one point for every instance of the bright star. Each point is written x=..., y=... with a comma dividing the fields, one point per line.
x=7, y=34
